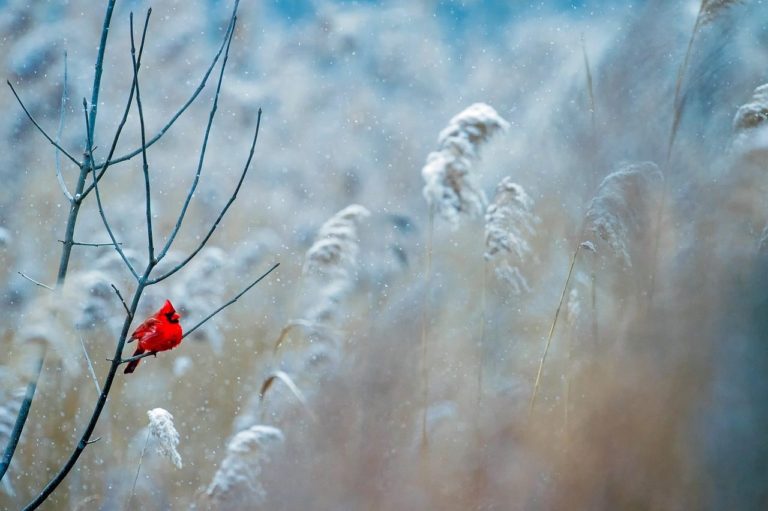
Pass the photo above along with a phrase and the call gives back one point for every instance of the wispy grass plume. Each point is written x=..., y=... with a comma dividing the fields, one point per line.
x=750, y=121
x=451, y=191
x=162, y=430
x=236, y=484
x=709, y=11
x=619, y=211
x=509, y=225
x=449, y=187
x=333, y=255
x=615, y=217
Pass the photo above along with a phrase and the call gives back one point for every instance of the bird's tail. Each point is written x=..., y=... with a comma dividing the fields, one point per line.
x=131, y=367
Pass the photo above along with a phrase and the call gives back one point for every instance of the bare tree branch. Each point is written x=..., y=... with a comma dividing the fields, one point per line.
x=125, y=305
x=211, y=116
x=39, y=128
x=98, y=68
x=145, y=165
x=98, y=199
x=184, y=107
x=124, y=118
x=221, y=215
x=66, y=252
x=49, y=288
x=57, y=156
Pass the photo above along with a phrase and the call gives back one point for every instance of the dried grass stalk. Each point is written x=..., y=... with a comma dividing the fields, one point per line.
x=290, y=384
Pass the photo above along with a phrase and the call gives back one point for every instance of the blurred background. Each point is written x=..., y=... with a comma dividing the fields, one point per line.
x=652, y=395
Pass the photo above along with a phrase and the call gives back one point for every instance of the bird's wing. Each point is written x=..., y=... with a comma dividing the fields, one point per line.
x=147, y=328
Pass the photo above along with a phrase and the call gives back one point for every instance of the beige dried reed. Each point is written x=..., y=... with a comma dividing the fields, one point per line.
x=615, y=218
x=450, y=191
x=510, y=224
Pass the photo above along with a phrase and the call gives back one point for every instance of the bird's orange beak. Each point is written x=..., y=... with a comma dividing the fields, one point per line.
x=175, y=316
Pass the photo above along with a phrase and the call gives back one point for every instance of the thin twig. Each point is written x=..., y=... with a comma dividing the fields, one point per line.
x=203, y=148
x=221, y=215
x=134, y=358
x=233, y=300
x=90, y=366
x=39, y=128
x=79, y=244
x=125, y=305
x=184, y=107
x=57, y=156
x=49, y=288
x=118, y=248
x=144, y=164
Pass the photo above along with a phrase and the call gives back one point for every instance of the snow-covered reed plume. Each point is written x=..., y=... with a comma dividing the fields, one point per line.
x=162, y=430
x=509, y=225
x=750, y=124
x=333, y=255
x=711, y=9
x=236, y=484
x=753, y=114
x=449, y=188
x=331, y=261
x=619, y=212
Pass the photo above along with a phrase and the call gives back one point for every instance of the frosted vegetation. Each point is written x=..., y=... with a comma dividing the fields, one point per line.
x=523, y=256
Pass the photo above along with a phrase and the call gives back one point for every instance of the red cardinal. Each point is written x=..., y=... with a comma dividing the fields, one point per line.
x=158, y=333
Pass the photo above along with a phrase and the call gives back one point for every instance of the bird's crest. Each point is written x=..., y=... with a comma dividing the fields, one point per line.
x=169, y=312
